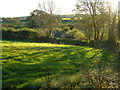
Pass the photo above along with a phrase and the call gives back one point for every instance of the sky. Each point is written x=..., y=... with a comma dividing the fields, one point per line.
x=16, y=8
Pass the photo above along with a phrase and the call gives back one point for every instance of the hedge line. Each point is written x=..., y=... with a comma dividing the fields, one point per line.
x=24, y=34
x=27, y=34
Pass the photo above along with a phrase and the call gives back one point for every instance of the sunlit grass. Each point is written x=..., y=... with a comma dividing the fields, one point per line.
x=66, y=18
x=37, y=65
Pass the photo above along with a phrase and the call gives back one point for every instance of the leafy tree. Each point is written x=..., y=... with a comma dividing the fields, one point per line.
x=45, y=18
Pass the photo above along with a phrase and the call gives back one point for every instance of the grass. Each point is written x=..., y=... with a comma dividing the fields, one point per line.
x=66, y=18
x=45, y=65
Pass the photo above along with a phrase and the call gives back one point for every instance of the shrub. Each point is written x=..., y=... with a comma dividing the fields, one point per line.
x=8, y=33
x=74, y=34
x=24, y=34
x=41, y=34
x=27, y=34
x=79, y=35
x=7, y=29
x=58, y=32
x=66, y=28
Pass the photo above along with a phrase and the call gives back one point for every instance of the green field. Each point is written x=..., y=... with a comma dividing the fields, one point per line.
x=45, y=65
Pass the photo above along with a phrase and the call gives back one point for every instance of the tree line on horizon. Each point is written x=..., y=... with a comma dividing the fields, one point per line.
x=98, y=23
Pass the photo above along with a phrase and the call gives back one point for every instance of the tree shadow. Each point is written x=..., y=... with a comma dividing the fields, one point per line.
x=46, y=63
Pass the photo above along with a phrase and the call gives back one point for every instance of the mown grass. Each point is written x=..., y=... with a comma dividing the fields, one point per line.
x=45, y=65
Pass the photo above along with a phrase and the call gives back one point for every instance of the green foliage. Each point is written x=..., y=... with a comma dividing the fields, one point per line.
x=37, y=19
x=8, y=29
x=99, y=21
x=66, y=28
x=79, y=35
x=58, y=32
x=74, y=34
x=61, y=31
x=42, y=20
x=28, y=34
x=24, y=34
x=8, y=33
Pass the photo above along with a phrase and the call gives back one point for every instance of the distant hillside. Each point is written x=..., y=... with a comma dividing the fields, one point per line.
x=70, y=15
x=62, y=16
x=65, y=19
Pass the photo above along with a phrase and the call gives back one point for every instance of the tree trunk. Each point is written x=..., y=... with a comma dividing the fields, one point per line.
x=51, y=34
x=111, y=36
x=119, y=29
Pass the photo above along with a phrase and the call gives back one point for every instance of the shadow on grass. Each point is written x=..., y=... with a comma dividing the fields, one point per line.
x=39, y=65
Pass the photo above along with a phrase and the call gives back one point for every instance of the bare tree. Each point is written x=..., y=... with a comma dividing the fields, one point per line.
x=97, y=11
x=48, y=7
x=119, y=20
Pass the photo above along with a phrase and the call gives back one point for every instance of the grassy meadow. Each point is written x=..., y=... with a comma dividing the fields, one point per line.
x=46, y=65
